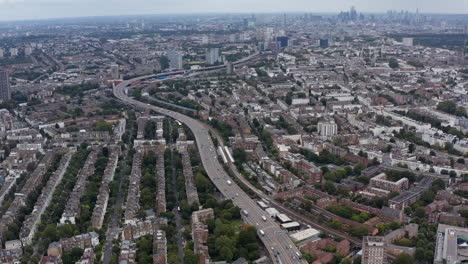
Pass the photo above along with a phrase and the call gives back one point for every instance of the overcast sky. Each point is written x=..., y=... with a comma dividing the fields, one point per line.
x=39, y=9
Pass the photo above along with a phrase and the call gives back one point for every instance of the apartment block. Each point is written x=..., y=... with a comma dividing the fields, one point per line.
x=374, y=250
x=380, y=181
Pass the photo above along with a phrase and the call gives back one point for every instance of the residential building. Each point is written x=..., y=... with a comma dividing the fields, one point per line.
x=212, y=56
x=5, y=92
x=374, y=250
x=327, y=127
x=175, y=59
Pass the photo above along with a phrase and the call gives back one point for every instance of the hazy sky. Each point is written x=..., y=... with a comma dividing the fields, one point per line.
x=38, y=9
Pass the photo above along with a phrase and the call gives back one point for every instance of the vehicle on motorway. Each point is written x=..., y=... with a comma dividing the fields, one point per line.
x=262, y=232
x=237, y=194
x=298, y=255
x=264, y=218
x=229, y=182
x=245, y=212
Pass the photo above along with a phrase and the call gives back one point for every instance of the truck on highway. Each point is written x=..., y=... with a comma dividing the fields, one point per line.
x=264, y=218
x=245, y=212
x=229, y=182
x=262, y=232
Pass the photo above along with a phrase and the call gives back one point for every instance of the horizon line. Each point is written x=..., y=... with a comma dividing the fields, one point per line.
x=219, y=13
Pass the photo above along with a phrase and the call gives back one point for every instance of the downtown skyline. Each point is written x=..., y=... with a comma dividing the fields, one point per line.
x=16, y=10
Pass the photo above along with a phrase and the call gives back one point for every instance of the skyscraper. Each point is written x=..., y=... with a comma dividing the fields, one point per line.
x=283, y=40
x=374, y=250
x=353, y=13
x=5, y=93
x=175, y=59
x=212, y=56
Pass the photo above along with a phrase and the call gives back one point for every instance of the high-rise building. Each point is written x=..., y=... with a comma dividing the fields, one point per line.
x=5, y=93
x=353, y=13
x=327, y=127
x=374, y=250
x=450, y=244
x=229, y=68
x=323, y=43
x=114, y=71
x=269, y=34
x=1, y=53
x=283, y=41
x=13, y=52
x=212, y=56
x=175, y=59
x=28, y=51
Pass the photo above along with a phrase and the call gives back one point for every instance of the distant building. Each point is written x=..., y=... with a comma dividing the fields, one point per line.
x=283, y=41
x=229, y=68
x=13, y=52
x=1, y=53
x=5, y=92
x=28, y=51
x=212, y=56
x=374, y=250
x=205, y=40
x=114, y=71
x=408, y=42
x=323, y=43
x=327, y=127
x=175, y=59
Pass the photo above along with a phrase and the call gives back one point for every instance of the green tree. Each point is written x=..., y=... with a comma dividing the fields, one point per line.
x=50, y=232
x=226, y=254
x=447, y=106
x=346, y=261
x=102, y=125
x=404, y=259
x=357, y=260
x=393, y=63
x=308, y=257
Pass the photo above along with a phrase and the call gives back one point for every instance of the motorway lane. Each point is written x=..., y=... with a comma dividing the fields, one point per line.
x=283, y=248
x=282, y=208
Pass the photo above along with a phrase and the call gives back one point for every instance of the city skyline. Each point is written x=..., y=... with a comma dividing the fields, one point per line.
x=15, y=10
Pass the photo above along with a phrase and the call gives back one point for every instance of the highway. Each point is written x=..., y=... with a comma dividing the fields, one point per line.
x=280, y=247
x=286, y=210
